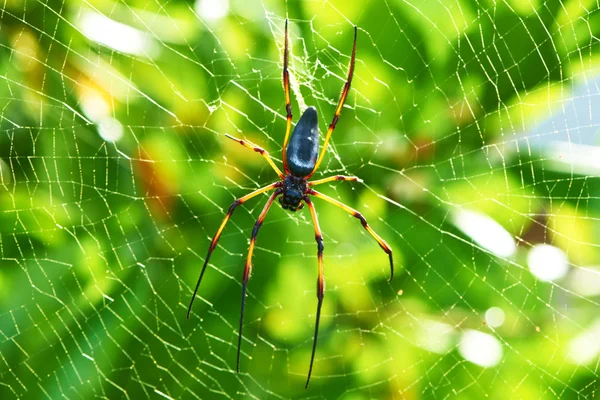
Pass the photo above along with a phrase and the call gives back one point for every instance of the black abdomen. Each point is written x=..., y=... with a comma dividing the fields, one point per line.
x=303, y=149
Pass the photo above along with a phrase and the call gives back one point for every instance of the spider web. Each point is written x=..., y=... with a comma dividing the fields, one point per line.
x=474, y=127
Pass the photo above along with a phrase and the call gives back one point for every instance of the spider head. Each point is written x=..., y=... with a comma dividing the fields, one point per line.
x=291, y=200
x=294, y=190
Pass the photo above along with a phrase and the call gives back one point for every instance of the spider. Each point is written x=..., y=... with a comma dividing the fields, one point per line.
x=300, y=162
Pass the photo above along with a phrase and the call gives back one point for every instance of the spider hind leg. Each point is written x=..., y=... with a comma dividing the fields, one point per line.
x=320, y=283
x=215, y=240
x=248, y=268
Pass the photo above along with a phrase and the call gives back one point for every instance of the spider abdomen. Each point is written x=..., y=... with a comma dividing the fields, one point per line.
x=303, y=148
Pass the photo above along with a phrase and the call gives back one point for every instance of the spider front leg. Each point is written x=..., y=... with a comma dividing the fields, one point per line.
x=364, y=223
x=320, y=281
x=340, y=105
x=286, y=90
x=213, y=243
x=335, y=178
x=248, y=267
x=260, y=151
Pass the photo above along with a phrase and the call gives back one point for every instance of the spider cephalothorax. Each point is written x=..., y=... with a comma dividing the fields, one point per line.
x=293, y=192
x=300, y=162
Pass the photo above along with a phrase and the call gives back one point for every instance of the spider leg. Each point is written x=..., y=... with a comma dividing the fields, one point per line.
x=213, y=244
x=260, y=151
x=335, y=178
x=364, y=223
x=341, y=102
x=286, y=89
x=248, y=266
x=320, y=282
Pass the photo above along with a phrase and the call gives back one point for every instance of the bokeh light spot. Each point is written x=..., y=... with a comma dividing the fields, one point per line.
x=212, y=9
x=480, y=348
x=486, y=232
x=547, y=262
x=494, y=317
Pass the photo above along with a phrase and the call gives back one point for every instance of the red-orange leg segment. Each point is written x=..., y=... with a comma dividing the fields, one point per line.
x=213, y=243
x=320, y=282
x=334, y=178
x=340, y=105
x=248, y=267
x=364, y=223
x=260, y=151
x=286, y=89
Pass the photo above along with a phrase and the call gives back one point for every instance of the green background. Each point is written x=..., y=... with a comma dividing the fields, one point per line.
x=101, y=242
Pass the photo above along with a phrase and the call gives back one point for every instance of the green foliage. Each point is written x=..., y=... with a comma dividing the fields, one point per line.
x=102, y=240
